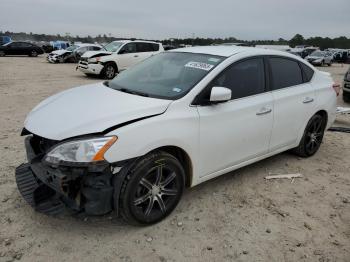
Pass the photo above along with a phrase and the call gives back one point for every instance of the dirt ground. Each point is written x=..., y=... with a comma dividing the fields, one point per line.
x=237, y=217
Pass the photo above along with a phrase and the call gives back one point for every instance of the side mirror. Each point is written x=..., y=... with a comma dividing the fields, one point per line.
x=220, y=94
x=122, y=52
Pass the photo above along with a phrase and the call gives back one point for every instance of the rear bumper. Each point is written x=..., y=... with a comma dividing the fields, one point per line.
x=50, y=189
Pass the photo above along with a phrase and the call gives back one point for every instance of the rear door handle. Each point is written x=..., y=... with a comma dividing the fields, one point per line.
x=308, y=100
x=264, y=111
x=136, y=56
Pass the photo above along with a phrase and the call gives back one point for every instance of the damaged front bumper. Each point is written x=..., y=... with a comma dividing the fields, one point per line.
x=88, y=188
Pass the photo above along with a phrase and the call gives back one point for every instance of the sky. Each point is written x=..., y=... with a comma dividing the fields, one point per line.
x=156, y=19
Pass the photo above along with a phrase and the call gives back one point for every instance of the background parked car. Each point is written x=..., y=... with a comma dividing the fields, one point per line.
x=346, y=87
x=5, y=39
x=20, y=48
x=320, y=58
x=71, y=54
x=341, y=56
x=118, y=56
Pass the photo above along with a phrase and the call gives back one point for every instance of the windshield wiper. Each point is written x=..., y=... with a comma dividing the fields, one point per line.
x=125, y=90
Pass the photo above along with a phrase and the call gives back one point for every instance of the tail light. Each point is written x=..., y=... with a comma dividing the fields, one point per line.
x=336, y=88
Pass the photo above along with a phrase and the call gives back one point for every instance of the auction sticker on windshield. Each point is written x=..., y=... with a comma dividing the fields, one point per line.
x=199, y=65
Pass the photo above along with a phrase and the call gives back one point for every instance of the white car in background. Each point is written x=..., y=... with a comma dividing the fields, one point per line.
x=173, y=121
x=72, y=53
x=118, y=56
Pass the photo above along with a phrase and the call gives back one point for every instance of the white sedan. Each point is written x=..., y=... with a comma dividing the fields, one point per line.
x=173, y=121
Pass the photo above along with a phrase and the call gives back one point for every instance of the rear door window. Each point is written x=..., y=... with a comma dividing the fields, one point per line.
x=144, y=47
x=285, y=73
x=155, y=47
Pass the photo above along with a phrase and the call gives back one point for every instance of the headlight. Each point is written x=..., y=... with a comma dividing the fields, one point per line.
x=94, y=60
x=318, y=60
x=84, y=151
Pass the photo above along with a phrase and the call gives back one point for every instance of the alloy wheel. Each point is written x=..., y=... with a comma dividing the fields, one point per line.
x=110, y=72
x=314, y=135
x=156, y=192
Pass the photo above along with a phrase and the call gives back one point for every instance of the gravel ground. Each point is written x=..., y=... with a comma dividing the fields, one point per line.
x=236, y=217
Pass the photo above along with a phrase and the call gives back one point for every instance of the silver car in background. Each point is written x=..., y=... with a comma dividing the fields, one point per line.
x=320, y=58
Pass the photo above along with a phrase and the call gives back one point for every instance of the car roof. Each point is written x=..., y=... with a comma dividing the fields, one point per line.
x=81, y=45
x=136, y=40
x=227, y=51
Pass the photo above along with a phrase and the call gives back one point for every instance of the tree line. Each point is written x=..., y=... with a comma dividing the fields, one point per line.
x=322, y=42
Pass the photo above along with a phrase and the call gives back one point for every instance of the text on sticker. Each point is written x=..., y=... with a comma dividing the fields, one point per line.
x=199, y=65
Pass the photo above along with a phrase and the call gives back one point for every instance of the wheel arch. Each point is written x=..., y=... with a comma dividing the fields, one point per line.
x=183, y=157
x=321, y=112
x=114, y=63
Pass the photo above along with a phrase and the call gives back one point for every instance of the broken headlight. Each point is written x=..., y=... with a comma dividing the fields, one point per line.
x=94, y=60
x=82, y=151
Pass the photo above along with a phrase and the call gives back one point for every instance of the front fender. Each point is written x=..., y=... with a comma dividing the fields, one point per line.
x=180, y=129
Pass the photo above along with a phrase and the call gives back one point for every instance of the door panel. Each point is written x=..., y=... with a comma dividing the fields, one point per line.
x=235, y=131
x=240, y=129
x=129, y=58
x=292, y=107
x=293, y=101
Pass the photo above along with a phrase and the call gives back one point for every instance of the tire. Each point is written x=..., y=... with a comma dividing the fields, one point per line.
x=322, y=63
x=312, y=137
x=33, y=53
x=346, y=97
x=2, y=53
x=109, y=71
x=152, y=189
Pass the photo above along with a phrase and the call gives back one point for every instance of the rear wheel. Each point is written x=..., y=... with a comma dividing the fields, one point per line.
x=33, y=53
x=152, y=189
x=346, y=97
x=312, y=138
x=2, y=53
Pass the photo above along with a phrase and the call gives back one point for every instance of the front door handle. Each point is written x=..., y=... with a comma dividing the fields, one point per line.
x=264, y=111
x=136, y=56
x=308, y=100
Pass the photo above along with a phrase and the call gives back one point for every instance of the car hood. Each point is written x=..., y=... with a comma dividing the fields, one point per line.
x=60, y=52
x=89, y=109
x=90, y=54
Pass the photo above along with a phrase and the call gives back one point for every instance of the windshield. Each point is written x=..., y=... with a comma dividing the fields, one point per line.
x=72, y=48
x=167, y=75
x=113, y=46
x=318, y=54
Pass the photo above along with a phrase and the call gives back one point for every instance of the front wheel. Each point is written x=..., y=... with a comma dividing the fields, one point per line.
x=109, y=71
x=152, y=189
x=312, y=138
x=2, y=53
